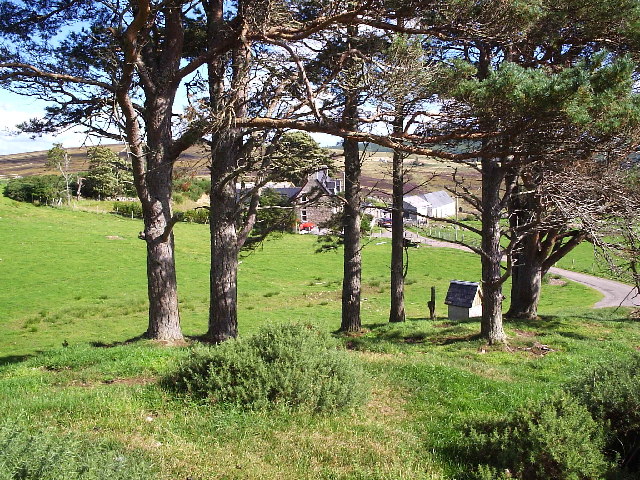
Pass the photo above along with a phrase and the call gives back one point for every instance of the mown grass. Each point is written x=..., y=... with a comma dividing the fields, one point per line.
x=78, y=277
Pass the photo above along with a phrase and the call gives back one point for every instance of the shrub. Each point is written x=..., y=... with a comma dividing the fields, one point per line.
x=611, y=392
x=45, y=455
x=193, y=188
x=178, y=199
x=36, y=188
x=291, y=366
x=198, y=215
x=128, y=209
x=556, y=439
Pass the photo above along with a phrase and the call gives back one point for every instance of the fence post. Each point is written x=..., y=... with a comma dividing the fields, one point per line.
x=432, y=304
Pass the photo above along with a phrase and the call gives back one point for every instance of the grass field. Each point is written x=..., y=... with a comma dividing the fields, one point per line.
x=79, y=277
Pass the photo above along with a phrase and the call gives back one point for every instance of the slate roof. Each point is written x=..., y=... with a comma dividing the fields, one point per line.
x=288, y=192
x=461, y=294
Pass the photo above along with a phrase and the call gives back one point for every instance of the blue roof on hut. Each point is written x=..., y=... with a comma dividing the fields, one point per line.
x=461, y=294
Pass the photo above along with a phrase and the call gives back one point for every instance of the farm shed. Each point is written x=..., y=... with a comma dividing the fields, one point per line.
x=434, y=205
x=464, y=300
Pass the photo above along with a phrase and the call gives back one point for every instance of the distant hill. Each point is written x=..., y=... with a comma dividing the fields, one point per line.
x=374, y=148
x=371, y=147
x=194, y=161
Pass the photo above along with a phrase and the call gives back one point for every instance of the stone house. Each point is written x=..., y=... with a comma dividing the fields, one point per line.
x=315, y=201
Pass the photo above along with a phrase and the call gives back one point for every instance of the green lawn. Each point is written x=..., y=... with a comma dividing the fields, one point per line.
x=80, y=277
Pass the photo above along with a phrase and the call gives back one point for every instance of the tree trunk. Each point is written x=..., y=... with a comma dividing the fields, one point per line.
x=396, y=313
x=226, y=101
x=491, y=324
x=164, y=316
x=223, y=314
x=526, y=280
x=351, y=282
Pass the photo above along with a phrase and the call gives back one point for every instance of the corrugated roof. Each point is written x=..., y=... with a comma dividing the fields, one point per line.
x=461, y=293
x=438, y=199
x=418, y=202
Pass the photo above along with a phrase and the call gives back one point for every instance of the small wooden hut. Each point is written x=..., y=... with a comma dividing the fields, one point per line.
x=464, y=300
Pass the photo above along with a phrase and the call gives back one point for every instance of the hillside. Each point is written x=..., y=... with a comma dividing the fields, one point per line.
x=423, y=174
x=75, y=375
x=34, y=163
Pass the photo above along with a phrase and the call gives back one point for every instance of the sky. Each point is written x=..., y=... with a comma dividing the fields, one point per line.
x=15, y=109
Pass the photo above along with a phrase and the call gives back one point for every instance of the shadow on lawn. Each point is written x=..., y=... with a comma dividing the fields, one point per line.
x=11, y=359
x=415, y=331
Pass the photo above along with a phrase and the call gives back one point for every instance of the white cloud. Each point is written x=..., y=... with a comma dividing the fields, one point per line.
x=13, y=113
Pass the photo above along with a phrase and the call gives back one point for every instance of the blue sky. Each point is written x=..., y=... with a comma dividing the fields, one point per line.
x=15, y=109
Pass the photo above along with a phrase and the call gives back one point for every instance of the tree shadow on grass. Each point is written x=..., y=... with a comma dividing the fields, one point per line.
x=415, y=331
x=129, y=341
x=11, y=359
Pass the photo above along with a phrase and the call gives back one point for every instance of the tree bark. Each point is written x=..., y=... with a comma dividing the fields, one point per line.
x=225, y=101
x=351, y=282
x=526, y=280
x=223, y=316
x=164, y=316
x=397, y=313
x=491, y=323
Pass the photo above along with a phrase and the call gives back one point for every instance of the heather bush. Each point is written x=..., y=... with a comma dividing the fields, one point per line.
x=556, y=439
x=294, y=367
x=611, y=392
x=46, y=455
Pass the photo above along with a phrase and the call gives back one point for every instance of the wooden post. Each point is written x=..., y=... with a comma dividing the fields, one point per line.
x=432, y=304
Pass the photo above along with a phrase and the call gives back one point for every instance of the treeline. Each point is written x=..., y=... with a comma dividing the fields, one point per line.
x=108, y=176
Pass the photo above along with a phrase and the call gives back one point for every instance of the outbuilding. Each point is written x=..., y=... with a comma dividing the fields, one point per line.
x=464, y=300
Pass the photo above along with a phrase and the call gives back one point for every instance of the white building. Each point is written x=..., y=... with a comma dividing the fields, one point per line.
x=434, y=205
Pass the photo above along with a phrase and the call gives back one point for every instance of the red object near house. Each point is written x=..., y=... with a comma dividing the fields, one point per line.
x=307, y=226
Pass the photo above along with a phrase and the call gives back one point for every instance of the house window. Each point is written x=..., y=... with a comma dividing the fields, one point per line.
x=303, y=199
x=303, y=215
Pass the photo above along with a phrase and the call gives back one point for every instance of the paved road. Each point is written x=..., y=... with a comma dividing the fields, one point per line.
x=615, y=293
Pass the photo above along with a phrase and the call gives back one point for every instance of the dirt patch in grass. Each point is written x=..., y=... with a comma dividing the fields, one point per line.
x=412, y=340
x=132, y=381
x=525, y=333
x=444, y=325
x=537, y=349
x=557, y=281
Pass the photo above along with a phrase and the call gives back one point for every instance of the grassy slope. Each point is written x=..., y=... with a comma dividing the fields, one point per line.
x=62, y=278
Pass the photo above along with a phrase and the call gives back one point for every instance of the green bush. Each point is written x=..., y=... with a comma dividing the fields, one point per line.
x=193, y=188
x=611, y=392
x=287, y=366
x=35, y=189
x=178, y=199
x=128, y=209
x=45, y=455
x=198, y=215
x=557, y=439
